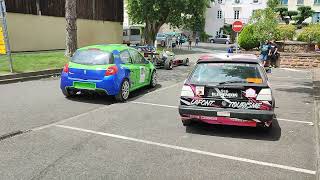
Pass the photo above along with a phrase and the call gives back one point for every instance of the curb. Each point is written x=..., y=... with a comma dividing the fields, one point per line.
x=20, y=77
x=316, y=95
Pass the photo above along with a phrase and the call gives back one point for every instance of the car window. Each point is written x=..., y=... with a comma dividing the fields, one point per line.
x=137, y=58
x=206, y=73
x=125, y=57
x=92, y=57
x=134, y=31
x=224, y=36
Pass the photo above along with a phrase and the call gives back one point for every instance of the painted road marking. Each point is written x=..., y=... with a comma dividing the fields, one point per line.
x=294, y=70
x=176, y=107
x=94, y=110
x=289, y=86
x=223, y=156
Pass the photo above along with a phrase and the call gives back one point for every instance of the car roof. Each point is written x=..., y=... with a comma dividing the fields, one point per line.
x=231, y=58
x=107, y=47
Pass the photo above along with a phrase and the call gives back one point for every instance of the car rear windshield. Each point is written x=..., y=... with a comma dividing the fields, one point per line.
x=224, y=73
x=92, y=57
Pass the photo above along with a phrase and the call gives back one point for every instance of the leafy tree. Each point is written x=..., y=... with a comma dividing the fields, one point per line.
x=292, y=13
x=310, y=34
x=283, y=11
x=177, y=13
x=273, y=4
x=304, y=12
x=265, y=23
x=247, y=39
x=285, y=32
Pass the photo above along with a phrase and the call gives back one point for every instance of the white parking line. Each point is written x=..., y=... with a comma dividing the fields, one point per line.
x=297, y=121
x=92, y=111
x=176, y=107
x=223, y=156
x=289, y=86
x=294, y=70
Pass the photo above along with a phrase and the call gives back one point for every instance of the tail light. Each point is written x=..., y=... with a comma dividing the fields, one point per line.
x=264, y=95
x=187, y=91
x=112, y=70
x=66, y=68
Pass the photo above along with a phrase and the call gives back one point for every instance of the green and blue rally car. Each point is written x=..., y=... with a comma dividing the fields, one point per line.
x=113, y=69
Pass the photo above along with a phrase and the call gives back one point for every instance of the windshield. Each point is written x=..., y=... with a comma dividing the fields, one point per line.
x=223, y=73
x=92, y=57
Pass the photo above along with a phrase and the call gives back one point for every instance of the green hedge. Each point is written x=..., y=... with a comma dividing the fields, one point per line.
x=247, y=39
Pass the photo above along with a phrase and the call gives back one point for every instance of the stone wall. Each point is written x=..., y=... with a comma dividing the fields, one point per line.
x=295, y=60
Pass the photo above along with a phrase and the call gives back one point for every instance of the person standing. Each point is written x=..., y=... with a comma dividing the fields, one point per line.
x=190, y=42
x=274, y=54
x=174, y=41
x=265, y=52
x=197, y=41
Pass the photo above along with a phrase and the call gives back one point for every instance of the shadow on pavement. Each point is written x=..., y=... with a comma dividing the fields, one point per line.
x=236, y=132
x=108, y=100
x=302, y=90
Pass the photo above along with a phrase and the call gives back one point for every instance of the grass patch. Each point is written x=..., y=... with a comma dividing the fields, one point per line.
x=27, y=62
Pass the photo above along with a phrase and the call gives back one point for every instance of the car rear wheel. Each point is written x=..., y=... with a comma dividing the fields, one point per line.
x=124, y=91
x=69, y=93
x=186, y=62
x=186, y=122
x=154, y=79
x=168, y=65
x=212, y=41
x=227, y=42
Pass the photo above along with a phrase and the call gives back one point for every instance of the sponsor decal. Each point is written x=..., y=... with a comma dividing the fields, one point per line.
x=202, y=102
x=199, y=90
x=245, y=105
x=250, y=93
x=224, y=93
x=142, y=74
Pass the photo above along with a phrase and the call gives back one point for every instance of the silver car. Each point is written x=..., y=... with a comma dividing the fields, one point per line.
x=222, y=39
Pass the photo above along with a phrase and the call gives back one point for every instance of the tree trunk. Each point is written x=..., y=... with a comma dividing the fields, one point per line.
x=71, y=28
x=151, y=31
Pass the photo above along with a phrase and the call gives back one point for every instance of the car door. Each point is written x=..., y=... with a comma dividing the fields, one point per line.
x=127, y=61
x=142, y=71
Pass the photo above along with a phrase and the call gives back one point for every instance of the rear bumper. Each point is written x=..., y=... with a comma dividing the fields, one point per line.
x=239, y=117
x=108, y=84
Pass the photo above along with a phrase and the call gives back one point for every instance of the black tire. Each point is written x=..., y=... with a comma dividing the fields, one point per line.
x=124, y=91
x=69, y=93
x=187, y=122
x=168, y=65
x=212, y=41
x=154, y=79
x=266, y=128
x=186, y=62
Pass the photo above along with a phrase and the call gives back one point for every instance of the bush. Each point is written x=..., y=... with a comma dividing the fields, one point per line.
x=247, y=39
x=285, y=32
x=310, y=34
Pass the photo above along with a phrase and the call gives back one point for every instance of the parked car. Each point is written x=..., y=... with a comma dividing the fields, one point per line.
x=222, y=39
x=229, y=90
x=133, y=35
x=114, y=70
x=161, y=39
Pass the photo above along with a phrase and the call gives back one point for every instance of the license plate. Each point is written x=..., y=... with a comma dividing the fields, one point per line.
x=84, y=85
x=223, y=113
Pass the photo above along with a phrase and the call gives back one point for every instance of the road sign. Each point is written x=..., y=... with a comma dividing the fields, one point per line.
x=237, y=26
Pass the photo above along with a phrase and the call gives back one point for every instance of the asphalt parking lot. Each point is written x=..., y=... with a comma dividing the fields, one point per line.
x=96, y=138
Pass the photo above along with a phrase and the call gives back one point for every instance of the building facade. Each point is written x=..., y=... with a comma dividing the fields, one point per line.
x=294, y=4
x=223, y=12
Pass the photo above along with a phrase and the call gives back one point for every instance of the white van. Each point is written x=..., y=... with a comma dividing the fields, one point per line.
x=133, y=35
